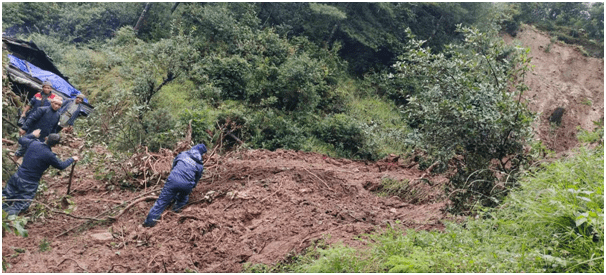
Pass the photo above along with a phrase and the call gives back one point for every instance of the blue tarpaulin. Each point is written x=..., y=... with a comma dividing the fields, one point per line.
x=59, y=83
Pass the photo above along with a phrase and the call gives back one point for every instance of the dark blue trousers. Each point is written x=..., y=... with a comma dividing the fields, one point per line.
x=178, y=192
x=18, y=188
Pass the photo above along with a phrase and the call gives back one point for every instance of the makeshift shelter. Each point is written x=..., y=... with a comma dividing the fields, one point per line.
x=29, y=66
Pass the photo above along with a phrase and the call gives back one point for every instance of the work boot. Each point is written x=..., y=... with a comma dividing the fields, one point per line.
x=149, y=225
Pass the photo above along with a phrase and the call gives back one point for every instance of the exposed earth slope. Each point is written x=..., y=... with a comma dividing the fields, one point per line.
x=562, y=77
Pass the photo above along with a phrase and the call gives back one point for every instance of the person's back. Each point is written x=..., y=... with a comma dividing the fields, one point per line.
x=184, y=176
x=37, y=159
x=45, y=119
x=21, y=188
x=187, y=167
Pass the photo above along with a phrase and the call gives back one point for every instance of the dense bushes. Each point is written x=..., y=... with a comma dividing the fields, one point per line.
x=466, y=109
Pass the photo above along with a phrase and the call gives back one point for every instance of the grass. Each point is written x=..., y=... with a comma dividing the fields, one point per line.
x=553, y=223
x=383, y=124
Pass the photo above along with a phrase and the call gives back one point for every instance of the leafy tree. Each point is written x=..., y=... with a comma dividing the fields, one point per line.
x=467, y=109
x=71, y=21
x=372, y=35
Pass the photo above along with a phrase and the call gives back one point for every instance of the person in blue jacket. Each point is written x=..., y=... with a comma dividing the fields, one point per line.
x=69, y=112
x=43, y=118
x=187, y=171
x=41, y=99
x=23, y=184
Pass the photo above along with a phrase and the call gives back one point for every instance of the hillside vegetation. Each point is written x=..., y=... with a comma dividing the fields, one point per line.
x=432, y=83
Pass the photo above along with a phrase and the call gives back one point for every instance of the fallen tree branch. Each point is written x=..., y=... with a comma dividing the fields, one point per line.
x=101, y=214
x=74, y=261
x=325, y=184
x=8, y=142
x=15, y=162
x=55, y=211
x=131, y=205
x=12, y=124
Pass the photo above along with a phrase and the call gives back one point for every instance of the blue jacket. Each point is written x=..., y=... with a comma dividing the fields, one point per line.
x=187, y=167
x=36, y=102
x=45, y=119
x=64, y=108
x=37, y=159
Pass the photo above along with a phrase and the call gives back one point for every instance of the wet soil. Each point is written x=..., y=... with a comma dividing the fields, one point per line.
x=253, y=206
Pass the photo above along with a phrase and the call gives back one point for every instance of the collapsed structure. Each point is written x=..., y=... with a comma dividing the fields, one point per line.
x=29, y=66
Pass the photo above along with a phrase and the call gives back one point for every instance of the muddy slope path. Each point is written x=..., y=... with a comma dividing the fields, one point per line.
x=253, y=206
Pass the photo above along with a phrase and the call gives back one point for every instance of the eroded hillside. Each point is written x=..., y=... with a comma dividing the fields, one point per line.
x=562, y=78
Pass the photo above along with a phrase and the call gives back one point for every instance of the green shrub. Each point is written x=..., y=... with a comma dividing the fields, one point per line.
x=467, y=109
x=344, y=133
x=299, y=84
x=15, y=224
x=275, y=131
x=231, y=74
x=202, y=123
x=161, y=129
x=597, y=135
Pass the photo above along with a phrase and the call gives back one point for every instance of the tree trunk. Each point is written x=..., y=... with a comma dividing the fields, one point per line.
x=174, y=7
x=142, y=17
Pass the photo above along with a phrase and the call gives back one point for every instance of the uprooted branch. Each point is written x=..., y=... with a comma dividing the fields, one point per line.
x=54, y=210
x=131, y=205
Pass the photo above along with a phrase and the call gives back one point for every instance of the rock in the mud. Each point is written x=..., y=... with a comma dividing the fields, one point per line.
x=102, y=237
x=556, y=116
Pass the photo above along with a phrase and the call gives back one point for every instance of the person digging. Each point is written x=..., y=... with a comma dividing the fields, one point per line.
x=184, y=176
x=22, y=186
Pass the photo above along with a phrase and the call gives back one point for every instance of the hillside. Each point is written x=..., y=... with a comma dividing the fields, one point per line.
x=562, y=77
x=260, y=206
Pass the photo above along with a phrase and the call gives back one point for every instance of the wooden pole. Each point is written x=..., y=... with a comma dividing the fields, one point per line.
x=71, y=173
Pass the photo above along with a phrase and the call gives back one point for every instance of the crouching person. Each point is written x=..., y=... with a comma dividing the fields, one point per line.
x=186, y=172
x=22, y=186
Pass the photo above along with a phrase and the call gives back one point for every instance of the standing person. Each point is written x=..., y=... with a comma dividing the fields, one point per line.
x=38, y=100
x=187, y=171
x=24, y=183
x=69, y=112
x=45, y=119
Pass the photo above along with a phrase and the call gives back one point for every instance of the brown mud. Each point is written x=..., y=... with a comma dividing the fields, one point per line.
x=253, y=206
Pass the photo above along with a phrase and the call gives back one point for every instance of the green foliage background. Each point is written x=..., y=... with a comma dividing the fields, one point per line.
x=354, y=80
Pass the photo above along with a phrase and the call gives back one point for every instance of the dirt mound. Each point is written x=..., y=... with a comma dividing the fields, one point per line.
x=253, y=206
x=562, y=78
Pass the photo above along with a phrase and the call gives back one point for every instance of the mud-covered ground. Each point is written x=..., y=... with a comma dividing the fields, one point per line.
x=253, y=206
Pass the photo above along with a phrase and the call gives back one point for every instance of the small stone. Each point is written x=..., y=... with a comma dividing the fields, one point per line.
x=102, y=236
